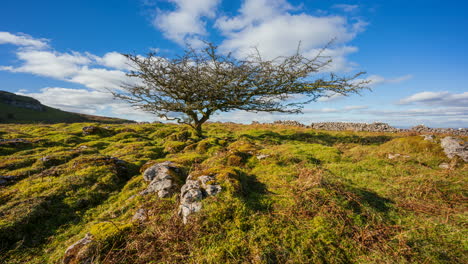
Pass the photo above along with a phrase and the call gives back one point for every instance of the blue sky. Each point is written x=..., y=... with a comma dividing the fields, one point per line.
x=65, y=53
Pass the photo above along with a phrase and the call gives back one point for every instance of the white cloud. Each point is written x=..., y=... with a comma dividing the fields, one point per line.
x=330, y=96
x=50, y=63
x=115, y=60
x=378, y=80
x=346, y=8
x=22, y=40
x=275, y=31
x=185, y=23
x=437, y=98
x=88, y=102
x=355, y=107
x=99, y=73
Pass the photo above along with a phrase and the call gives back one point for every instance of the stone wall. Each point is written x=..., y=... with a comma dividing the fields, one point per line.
x=373, y=127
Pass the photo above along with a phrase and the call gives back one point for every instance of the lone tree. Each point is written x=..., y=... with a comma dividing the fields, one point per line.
x=193, y=86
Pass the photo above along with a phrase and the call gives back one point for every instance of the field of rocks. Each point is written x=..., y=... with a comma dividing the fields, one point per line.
x=260, y=193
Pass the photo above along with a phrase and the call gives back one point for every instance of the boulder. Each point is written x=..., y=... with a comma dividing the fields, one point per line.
x=195, y=190
x=78, y=252
x=161, y=179
x=455, y=147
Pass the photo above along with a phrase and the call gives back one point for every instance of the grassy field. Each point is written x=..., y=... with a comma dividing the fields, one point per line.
x=290, y=195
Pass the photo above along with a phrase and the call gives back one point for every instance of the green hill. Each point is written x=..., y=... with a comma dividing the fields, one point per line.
x=23, y=110
x=267, y=193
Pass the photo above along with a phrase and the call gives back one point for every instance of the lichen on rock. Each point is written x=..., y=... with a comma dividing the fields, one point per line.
x=193, y=192
x=161, y=178
x=455, y=147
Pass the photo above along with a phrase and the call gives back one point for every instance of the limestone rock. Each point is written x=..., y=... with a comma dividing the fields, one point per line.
x=455, y=147
x=77, y=253
x=444, y=165
x=262, y=156
x=161, y=179
x=430, y=138
x=396, y=155
x=93, y=130
x=193, y=191
x=140, y=215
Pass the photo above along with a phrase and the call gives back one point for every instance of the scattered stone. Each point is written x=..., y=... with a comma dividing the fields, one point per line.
x=161, y=178
x=193, y=191
x=444, y=165
x=455, y=147
x=430, y=138
x=14, y=142
x=93, y=130
x=4, y=180
x=396, y=155
x=141, y=215
x=262, y=156
x=77, y=253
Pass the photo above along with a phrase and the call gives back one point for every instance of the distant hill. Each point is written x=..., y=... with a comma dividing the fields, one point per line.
x=23, y=109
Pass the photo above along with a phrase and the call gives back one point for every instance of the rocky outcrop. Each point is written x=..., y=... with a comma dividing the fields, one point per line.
x=20, y=101
x=455, y=147
x=161, y=178
x=79, y=252
x=193, y=192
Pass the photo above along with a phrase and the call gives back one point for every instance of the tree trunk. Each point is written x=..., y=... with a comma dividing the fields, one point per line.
x=198, y=130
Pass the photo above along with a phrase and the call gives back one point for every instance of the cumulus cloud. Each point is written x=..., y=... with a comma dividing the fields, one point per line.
x=186, y=23
x=437, y=98
x=276, y=30
x=22, y=40
x=99, y=73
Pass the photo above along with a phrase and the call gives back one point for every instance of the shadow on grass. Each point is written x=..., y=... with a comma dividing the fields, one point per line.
x=316, y=137
x=46, y=215
x=254, y=193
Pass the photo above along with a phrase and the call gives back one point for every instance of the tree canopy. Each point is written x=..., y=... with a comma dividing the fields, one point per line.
x=191, y=87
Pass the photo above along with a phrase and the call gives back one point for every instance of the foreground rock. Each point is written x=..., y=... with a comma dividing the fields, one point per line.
x=79, y=252
x=455, y=147
x=195, y=190
x=161, y=178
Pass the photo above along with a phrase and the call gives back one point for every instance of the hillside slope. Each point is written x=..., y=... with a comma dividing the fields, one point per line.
x=23, y=110
x=267, y=193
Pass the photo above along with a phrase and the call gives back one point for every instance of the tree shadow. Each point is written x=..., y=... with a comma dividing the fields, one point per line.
x=317, y=138
x=254, y=193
